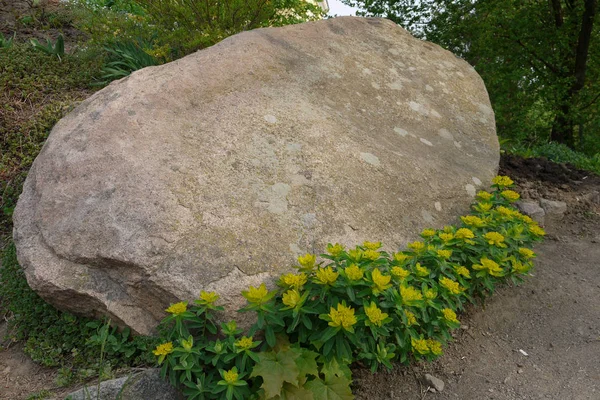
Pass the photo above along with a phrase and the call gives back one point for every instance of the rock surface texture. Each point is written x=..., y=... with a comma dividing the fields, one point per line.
x=215, y=171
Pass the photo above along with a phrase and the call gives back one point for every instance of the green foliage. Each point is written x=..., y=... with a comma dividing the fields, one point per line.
x=558, y=153
x=124, y=58
x=359, y=304
x=57, y=49
x=4, y=42
x=55, y=338
x=35, y=92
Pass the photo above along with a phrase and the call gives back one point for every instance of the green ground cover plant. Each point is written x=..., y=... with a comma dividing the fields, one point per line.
x=559, y=153
x=361, y=304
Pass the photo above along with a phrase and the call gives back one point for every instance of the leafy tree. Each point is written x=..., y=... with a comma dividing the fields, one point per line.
x=539, y=59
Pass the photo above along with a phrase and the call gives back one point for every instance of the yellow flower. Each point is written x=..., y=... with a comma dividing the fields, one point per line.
x=483, y=207
x=527, y=219
x=307, y=261
x=416, y=246
x=335, y=250
x=463, y=271
x=245, y=343
x=177, y=308
x=490, y=266
x=342, y=317
x=428, y=233
x=256, y=295
x=372, y=245
x=472, y=220
x=356, y=255
x=401, y=257
x=326, y=276
x=187, y=344
x=410, y=295
x=502, y=181
x=495, y=239
x=291, y=298
x=434, y=346
x=526, y=253
x=382, y=282
x=421, y=271
x=464, y=233
x=449, y=315
x=208, y=297
x=294, y=280
x=420, y=346
x=231, y=376
x=506, y=212
x=410, y=317
x=371, y=255
x=354, y=273
x=430, y=294
x=374, y=314
x=452, y=286
x=400, y=272
x=536, y=230
x=163, y=349
x=510, y=195
x=485, y=196
x=446, y=237
x=445, y=254
x=521, y=268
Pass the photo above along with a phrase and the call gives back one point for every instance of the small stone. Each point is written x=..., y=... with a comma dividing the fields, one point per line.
x=432, y=390
x=519, y=365
x=520, y=371
x=434, y=382
x=553, y=208
x=464, y=327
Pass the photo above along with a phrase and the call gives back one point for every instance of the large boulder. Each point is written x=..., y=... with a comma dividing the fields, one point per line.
x=216, y=171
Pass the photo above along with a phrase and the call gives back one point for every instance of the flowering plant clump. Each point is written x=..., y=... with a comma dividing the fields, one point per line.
x=351, y=304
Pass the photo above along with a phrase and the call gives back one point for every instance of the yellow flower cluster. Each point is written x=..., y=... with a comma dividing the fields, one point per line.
x=521, y=268
x=410, y=317
x=485, y=196
x=446, y=237
x=526, y=253
x=426, y=346
x=294, y=280
x=208, y=297
x=410, y=295
x=354, y=272
x=452, y=286
x=335, y=249
x=502, y=181
x=374, y=314
x=382, y=282
x=291, y=298
x=507, y=212
x=231, y=376
x=163, y=349
x=510, y=195
x=307, y=261
x=430, y=294
x=177, y=308
x=401, y=257
x=490, y=266
x=449, y=315
x=371, y=254
x=445, y=254
x=484, y=207
x=342, y=317
x=400, y=272
x=463, y=271
x=536, y=230
x=428, y=233
x=245, y=343
x=495, y=239
x=434, y=346
x=416, y=246
x=421, y=271
x=464, y=233
x=256, y=295
x=372, y=245
x=472, y=220
x=356, y=254
x=326, y=276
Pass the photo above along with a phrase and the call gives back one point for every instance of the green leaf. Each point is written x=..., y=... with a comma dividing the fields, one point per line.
x=275, y=369
x=291, y=392
x=333, y=368
x=306, y=363
x=331, y=389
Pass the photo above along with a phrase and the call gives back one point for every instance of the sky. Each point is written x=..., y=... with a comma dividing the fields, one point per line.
x=336, y=7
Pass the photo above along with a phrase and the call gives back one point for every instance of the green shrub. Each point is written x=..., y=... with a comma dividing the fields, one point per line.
x=359, y=304
x=125, y=57
x=558, y=153
x=54, y=338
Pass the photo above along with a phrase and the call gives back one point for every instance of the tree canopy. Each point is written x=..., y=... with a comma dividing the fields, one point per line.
x=540, y=60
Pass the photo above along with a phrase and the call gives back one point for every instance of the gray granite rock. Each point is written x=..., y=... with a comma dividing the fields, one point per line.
x=532, y=208
x=555, y=209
